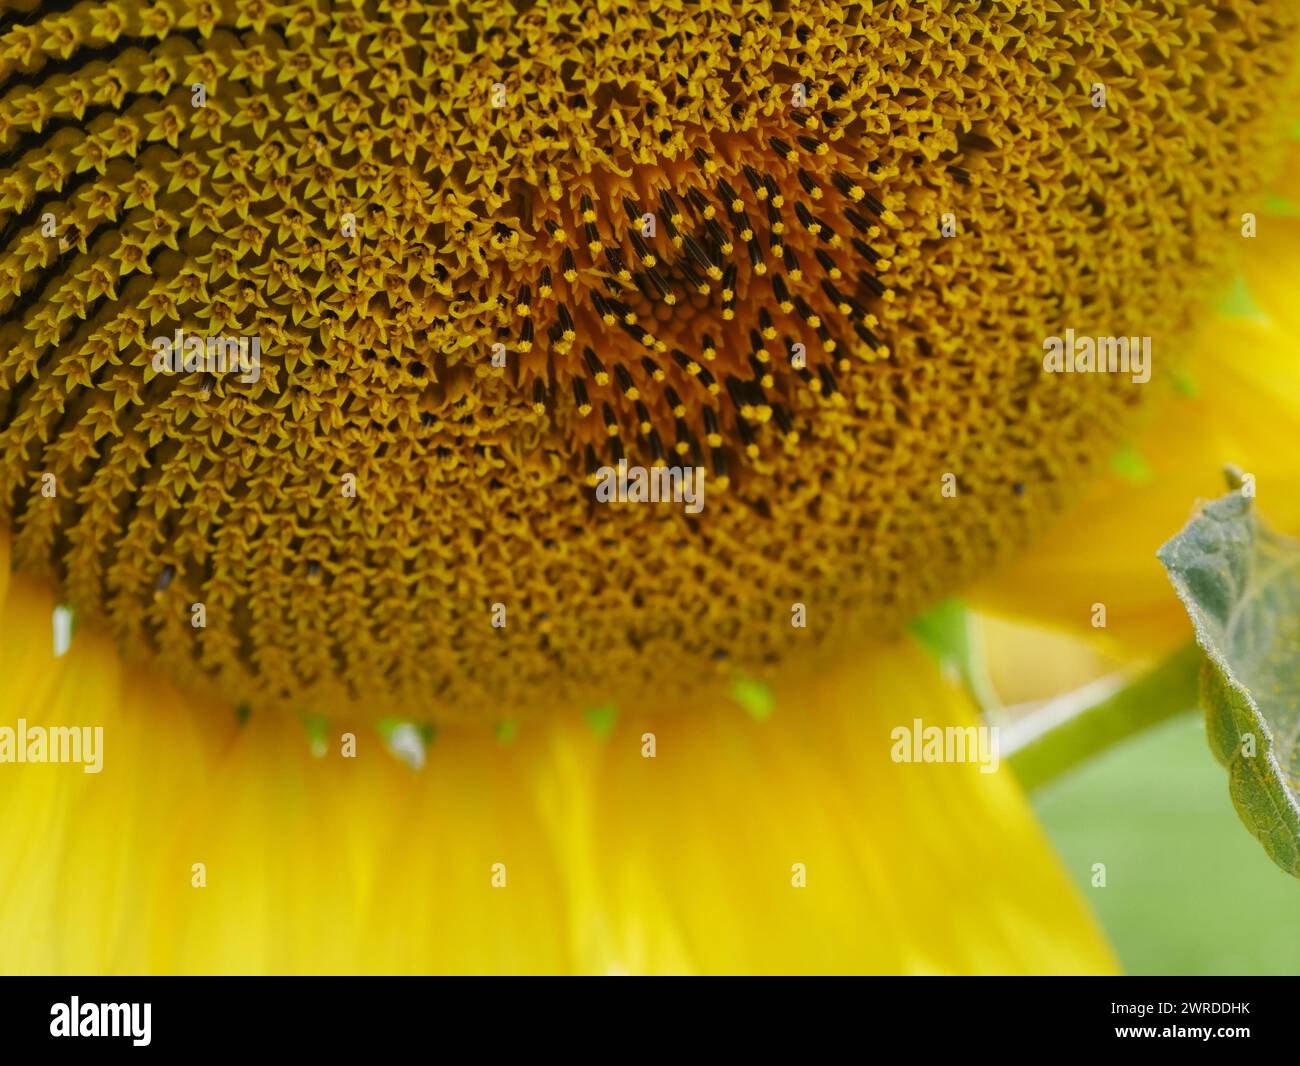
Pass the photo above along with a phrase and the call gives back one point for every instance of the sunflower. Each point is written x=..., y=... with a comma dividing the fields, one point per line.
x=323, y=323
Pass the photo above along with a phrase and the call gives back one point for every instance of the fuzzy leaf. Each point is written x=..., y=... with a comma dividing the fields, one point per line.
x=1240, y=583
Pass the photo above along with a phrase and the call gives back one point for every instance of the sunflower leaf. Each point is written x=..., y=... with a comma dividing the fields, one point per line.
x=1240, y=583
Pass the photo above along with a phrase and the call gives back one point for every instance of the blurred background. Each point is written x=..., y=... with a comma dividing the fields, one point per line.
x=1188, y=889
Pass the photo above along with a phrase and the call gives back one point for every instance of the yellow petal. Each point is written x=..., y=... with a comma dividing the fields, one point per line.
x=312, y=865
x=684, y=862
x=1026, y=663
x=612, y=862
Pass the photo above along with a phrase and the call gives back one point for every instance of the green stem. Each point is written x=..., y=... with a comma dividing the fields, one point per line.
x=1060, y=736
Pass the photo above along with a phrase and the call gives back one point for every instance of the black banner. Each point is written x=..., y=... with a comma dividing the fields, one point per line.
x=143, y=1016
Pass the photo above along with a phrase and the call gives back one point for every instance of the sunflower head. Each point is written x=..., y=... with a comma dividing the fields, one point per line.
x=485, y=251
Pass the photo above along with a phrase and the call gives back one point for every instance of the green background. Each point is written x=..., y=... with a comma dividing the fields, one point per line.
x=1188, y=889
